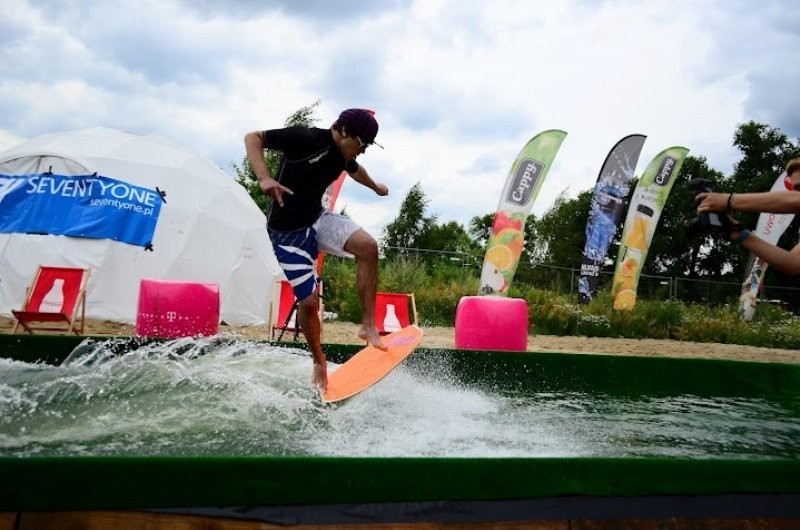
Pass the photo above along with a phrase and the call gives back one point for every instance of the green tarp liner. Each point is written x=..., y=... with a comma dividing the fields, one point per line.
x=47, y=483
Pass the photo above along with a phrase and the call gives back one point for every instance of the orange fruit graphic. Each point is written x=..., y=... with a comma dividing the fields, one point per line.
x=625, y=300
x=501, y=257
x=628, y=266
x=512, y=238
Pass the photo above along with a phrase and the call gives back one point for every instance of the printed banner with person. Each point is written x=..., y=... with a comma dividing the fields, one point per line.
x=608, y=205
x=770, y=228
x=521, y=188
x=647, y=203
x=90, y=206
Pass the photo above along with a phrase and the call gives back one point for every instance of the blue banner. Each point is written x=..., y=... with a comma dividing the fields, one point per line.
x=89, y=206
x=605, y=212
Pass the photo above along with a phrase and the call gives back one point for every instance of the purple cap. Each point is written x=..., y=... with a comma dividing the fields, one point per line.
x=361, y=123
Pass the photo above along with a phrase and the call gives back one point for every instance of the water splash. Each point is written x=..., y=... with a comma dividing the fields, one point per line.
x=226, y=396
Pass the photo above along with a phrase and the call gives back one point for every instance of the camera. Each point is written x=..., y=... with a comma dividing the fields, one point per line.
x=704, y=222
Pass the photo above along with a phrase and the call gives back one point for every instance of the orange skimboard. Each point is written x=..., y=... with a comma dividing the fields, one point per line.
x=370, y=365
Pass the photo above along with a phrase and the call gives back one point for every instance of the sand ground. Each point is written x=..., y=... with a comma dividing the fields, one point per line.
x=444, y=337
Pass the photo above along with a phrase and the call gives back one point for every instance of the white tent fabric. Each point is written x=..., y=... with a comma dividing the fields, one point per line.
x=209, y=230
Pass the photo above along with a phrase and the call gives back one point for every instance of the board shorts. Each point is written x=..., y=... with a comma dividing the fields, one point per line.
x=297, y=250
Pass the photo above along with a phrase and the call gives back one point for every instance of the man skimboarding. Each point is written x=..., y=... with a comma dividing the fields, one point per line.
x=298, y=225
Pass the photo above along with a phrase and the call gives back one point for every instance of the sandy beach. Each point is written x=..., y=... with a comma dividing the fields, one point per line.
x=444, y=337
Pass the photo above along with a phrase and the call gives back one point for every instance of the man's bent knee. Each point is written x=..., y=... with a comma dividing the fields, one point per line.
x=362, y=245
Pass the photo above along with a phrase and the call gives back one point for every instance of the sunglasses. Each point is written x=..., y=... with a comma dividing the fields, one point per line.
x=362, y=146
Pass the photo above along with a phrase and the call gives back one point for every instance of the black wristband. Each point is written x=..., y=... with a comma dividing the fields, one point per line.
x=744, y=234
x=730, y=202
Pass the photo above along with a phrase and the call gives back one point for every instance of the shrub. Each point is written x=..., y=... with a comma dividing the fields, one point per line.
x=402, y=275
x=341, y=297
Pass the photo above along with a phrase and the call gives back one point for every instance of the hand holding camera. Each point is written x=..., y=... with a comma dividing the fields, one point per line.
x=710, y=222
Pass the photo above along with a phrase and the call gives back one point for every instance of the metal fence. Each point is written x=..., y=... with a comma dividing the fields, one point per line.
x=564, y=280
x=709, y=292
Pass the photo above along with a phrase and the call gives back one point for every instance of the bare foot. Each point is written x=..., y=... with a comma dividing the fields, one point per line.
x=371, y=335
x=319, y=377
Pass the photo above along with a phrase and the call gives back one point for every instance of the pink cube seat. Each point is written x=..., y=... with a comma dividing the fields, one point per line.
x=492, y=323
x=177, y=308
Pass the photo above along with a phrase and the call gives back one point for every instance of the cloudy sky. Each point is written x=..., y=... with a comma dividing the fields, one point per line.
x=458, y=86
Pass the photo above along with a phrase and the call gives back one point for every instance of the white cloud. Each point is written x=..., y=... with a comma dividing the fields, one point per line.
x=7, y=140
x=458, y=86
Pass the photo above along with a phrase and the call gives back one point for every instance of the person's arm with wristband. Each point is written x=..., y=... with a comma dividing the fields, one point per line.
x=769, y=201
x=786, y=261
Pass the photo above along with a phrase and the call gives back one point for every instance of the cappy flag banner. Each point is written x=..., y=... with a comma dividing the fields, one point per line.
x=644, y=211
x=90, y=206
x=521, y=188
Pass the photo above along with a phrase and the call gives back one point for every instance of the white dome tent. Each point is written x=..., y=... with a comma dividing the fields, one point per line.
x=209, y=229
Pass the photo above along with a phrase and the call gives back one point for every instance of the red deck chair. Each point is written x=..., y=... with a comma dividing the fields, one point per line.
x=283, y=311
x=395, y=311
x=53, y=299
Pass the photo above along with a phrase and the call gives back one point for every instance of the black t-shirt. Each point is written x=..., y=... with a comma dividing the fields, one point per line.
x=311, y=162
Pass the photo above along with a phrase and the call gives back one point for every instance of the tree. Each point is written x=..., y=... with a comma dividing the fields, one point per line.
x=479, y=230
x=244, y=173
x=414, y=229
x=410, y=226
x=449, y=237
x=765, y=152
x=558, y=237
x=673, y=251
